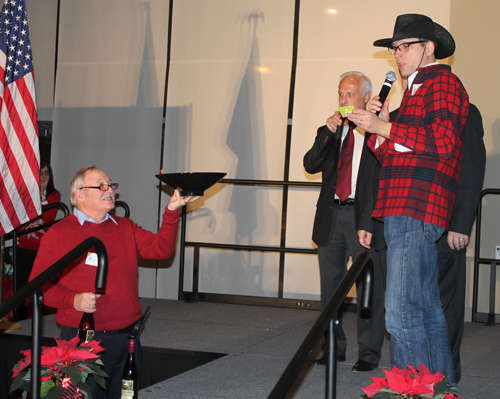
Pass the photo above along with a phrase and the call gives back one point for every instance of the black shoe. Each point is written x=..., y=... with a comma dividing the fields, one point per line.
x=322, y=359
x=362, y=366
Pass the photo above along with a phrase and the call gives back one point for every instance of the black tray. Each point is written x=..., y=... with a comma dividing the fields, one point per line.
x=191, y=183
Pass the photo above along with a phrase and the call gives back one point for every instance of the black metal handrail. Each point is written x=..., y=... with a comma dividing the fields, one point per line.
x=19, y=233
x=123, y=204
x=476, y=316
x=33, y=288
x=362, y=263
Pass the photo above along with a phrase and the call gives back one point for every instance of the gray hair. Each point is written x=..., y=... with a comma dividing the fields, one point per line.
x=366, y=86
x=77, y=182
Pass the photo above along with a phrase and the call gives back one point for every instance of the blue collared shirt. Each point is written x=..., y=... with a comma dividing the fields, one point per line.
x=83, y=217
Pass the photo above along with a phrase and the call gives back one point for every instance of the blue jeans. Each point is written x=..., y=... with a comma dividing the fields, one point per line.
x=414, y=316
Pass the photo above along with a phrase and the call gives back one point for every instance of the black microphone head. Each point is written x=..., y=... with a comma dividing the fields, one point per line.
x=391, y=76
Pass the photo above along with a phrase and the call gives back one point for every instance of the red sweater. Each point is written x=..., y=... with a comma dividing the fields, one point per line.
x=125, y=242
x=32, y=240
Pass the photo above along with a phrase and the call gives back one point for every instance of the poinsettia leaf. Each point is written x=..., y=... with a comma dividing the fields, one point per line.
x=383, y=395
x=44, y=389
x=441, y=386
x=98, y=371
x=86, y=368
x=54, y=393
x=99, y=362
x=75, y=374
x=85, y=389
x=16, y=384
x=100, y=381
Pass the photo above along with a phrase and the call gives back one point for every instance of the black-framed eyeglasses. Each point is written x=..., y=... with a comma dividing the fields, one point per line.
x=404, y=47
x=44, y=173
x=104, y=186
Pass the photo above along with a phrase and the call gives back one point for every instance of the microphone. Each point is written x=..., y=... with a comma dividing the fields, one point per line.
x=390, y=78
x=340, y=128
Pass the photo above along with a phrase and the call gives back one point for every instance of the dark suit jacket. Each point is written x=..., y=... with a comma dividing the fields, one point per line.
x=366, y=196
x=323, y=157
x=469, y=187
x=471, y=179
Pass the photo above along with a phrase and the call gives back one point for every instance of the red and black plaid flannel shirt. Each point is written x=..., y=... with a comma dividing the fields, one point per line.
x=422, y=183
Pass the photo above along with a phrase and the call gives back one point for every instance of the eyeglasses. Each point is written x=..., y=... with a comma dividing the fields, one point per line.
x=44, y=173
x=104, y=186
x=404, y=47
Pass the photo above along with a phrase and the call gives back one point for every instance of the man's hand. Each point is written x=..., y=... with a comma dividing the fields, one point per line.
x=365, y=238
x=370, y=122
x=376, y=106
x=333, y=121
x=177, y=201
x=457, y=241
x=86, y=302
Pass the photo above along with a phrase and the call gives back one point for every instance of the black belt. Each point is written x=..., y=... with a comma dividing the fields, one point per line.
x=347, y=202
x=121, y=331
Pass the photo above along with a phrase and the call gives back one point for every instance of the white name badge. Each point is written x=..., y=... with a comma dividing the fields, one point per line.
x=91, y=259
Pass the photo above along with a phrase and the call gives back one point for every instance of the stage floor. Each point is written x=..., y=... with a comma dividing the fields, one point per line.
x=260, y=341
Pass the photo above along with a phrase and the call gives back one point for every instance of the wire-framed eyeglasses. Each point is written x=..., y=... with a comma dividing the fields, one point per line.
x=404, y=47
x=104, y=186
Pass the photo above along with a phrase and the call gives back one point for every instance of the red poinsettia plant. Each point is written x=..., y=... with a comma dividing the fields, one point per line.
x=410, y=383
x=63, y=367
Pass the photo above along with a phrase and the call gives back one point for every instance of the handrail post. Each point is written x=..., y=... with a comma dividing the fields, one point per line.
x=36, y=353
x=102, y=266
x=180, y=294
x=331, y=362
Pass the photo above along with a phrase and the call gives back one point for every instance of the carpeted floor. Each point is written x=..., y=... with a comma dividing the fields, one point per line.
x=260, y=341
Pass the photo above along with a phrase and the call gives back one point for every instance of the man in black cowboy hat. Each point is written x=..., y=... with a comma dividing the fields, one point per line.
x=421, y=153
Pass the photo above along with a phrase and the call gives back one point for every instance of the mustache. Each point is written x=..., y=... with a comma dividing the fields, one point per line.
x=108, y=196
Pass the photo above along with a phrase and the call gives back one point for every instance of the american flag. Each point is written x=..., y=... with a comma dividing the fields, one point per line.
x=19, y=151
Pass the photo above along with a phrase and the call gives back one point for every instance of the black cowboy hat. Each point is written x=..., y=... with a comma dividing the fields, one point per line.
x=421, y=27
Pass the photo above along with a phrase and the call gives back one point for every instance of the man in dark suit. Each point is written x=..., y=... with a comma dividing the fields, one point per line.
x=334, y=229
x=452, y=245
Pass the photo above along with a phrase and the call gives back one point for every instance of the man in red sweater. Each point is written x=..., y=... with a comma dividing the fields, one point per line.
x=92, y=193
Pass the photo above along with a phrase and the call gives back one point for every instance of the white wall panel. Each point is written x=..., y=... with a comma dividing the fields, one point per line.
x=227, y=105
x=300, y=217
x=232, y=214
x=109, y=101
x=231, y=64
x=42, y=19
x=239, y=272
x=301, y=277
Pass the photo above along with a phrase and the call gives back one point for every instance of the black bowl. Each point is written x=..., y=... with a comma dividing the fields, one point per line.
x=191, y=183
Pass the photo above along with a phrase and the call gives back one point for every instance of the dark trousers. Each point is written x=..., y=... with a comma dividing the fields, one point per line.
x=452, y=281
x=342, y=243
x=114, y=357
